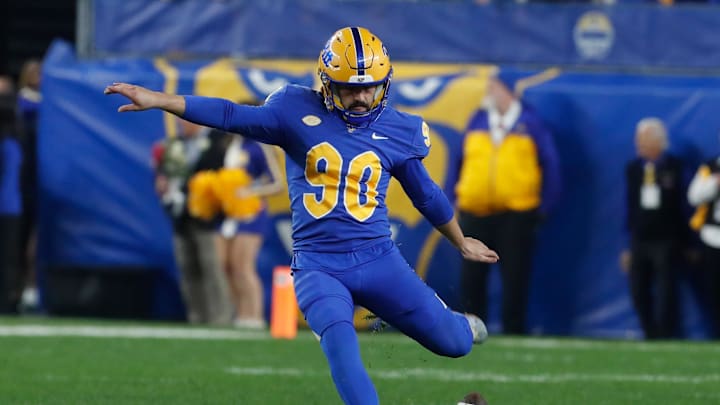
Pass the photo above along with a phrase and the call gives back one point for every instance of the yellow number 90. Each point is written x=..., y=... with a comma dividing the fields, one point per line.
x=323, y=168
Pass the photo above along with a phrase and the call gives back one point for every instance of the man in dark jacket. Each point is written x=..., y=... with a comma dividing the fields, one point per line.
x=656, y=224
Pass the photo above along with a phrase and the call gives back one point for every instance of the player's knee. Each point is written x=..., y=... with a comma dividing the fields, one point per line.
x=451, y=347
x=336, y=338
x=322, y=299
x=327, y=312
x=458, y=347
x=456, y=339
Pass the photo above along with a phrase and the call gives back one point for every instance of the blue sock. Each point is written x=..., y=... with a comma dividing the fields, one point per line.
x=340, y=344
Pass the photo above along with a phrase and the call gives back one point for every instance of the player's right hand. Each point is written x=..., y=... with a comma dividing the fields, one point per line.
x=141, y=98
x=473, y=249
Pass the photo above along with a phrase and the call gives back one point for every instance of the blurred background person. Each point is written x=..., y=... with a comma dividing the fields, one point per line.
x=176, y=160
x=242, y=238
x=509, y=178
x=10, y=200
x=656, y=224
x=28, y=105
x=704, y=193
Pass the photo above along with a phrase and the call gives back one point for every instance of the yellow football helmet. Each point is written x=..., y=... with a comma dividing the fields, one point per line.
x=354, y=56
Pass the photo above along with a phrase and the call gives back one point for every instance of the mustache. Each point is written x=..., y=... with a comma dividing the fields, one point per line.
x=359, y=104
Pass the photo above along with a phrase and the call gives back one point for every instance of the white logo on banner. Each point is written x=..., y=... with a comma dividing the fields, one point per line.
x=594, y=35
x=422, y=91
x=263, y=85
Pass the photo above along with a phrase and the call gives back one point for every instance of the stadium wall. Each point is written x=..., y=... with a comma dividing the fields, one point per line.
x=644, y=35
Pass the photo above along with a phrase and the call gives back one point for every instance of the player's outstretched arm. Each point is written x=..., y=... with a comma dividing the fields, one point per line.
x=259, y=123
x=142, y=99
x=430, y=200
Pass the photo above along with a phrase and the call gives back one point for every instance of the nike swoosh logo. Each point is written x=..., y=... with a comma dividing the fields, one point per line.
x=376, y=136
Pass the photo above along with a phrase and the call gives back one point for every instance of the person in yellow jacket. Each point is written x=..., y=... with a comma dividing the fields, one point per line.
x=704, y=193
x=509, y=177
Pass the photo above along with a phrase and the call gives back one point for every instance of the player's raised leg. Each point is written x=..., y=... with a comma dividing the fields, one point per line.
x=414, y=308
x=328, y=308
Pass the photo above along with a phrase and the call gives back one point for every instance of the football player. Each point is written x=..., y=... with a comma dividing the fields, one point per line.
x=342, y=145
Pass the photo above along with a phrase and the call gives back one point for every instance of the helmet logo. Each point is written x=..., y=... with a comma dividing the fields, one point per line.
x=327, y=54
x=361, y=79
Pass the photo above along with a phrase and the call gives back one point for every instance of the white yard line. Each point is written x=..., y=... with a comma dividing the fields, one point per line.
x=132, y=332
x=562, y=344
x=456, y=375
x=185, y=332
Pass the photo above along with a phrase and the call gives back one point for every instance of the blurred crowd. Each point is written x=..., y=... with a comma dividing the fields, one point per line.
x=18, y=188
x=213, y=187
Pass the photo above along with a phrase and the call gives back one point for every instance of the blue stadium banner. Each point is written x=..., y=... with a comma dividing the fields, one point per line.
x=626, y=35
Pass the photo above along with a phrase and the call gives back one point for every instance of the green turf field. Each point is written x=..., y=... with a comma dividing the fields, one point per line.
x=90, y=362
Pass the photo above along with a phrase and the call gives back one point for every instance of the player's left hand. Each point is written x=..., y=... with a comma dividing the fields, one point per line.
x=140, y=97
x=473, y=249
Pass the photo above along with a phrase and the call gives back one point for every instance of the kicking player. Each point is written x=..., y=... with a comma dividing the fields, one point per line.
x=342, y=145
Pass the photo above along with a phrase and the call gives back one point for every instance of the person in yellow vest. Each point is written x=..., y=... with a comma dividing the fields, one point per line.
x=704, y=193
x=655, y=222
x=509, y=177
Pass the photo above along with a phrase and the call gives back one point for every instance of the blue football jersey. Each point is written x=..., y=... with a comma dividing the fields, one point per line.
x=337, y=174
